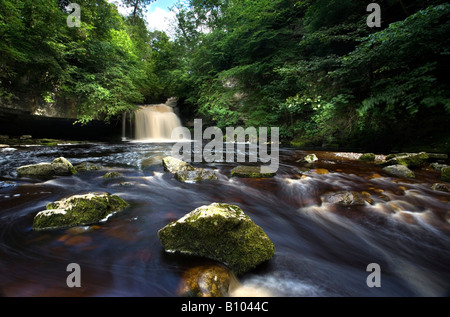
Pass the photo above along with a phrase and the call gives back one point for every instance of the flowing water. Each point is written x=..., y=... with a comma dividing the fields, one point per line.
x=322, y=249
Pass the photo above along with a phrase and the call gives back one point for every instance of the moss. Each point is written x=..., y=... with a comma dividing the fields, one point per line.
x=445, y=174
x=220, y=232
x=112, y=175
x=250, y=172
x=367, y=157
x=78, y=210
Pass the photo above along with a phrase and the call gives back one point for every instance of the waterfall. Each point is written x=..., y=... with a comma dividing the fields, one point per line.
x=155, y=122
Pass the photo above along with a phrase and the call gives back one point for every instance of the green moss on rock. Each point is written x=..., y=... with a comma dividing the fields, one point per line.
x=399, y=171
x=220, y=232
x=445, y=174
x=367, y=157
x=78, y=210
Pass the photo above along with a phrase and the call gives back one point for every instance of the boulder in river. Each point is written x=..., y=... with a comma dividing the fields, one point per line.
x=185, y=172
x=220, y=232
x=440, y=187
x=59, y=167
x=78, y=210
x=399, y=171
x=251, y=172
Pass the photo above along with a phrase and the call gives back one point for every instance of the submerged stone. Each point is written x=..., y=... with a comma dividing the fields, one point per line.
x=406, y=159
x=86, y=166
x=250, y=172
x=440, y=187
x=206, y=281
x=78, y=210
x=220, y=232
x=346, y=198
x=399, y=170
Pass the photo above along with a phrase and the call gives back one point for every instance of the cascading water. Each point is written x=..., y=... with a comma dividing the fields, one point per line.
x=155, y=123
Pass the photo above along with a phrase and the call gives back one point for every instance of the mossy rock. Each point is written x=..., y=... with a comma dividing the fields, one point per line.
x=86, y=166
x=399, y=171
x=110, y=175
x=206, y=281
x=250, y=172
x=220, y=232
x=406, y=159
x=440, y=187
x=59, y=167
x=78, y=210
x=367, y=157
x=445, y=174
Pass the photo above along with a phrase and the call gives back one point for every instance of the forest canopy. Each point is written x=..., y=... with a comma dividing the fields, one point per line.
x=314, y=68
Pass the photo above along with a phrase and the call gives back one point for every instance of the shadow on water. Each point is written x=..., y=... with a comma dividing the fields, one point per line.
x=322, y=249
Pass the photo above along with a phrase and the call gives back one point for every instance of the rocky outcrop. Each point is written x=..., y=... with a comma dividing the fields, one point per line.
x=185, y=172
x=399, y=171
x=78, y=210
x=59, y=167
x=220, y=232
x=250, y=172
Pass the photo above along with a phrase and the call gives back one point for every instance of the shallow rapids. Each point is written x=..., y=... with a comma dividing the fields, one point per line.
x=322, y=249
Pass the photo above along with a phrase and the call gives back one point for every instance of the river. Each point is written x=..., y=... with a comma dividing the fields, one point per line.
x=322, y=249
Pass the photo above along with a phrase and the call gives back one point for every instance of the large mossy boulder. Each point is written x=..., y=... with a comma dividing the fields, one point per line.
x=185, y=172
x=78, y=210
x=220, y=232
x=399, y=171
x=250, y=172
x=59, y=167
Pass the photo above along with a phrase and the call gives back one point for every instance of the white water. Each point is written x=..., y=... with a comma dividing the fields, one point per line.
x=155, y=123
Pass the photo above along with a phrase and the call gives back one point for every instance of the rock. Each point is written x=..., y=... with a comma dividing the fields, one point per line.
x=440, y=187
x=367, y=157
x=78, y=210
x=26, y=137
x=250, y=172
x=220, y=232
x=59, y=167
x=185, y=172
x=445, y=174
x=173, y=165
x=206, y=281
x=199, y=174
x=406, y=159
x=86, y=166
x=310, y=158
x=3, y=146
x=112, y=175
x=437, y=166
x=346, y=198
x=62, y=167
x=399, y=170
